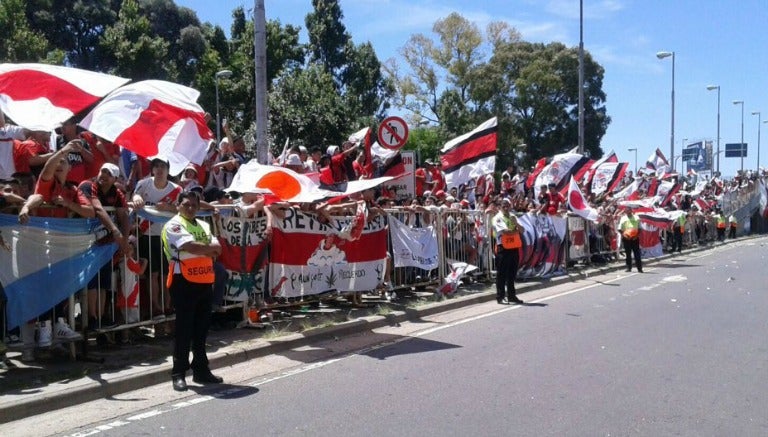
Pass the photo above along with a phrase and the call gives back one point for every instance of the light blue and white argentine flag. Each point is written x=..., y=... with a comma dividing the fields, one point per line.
x=46, y=260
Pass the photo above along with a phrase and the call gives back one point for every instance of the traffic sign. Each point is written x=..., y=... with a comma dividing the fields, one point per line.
x=736, y=150
x=393, y=133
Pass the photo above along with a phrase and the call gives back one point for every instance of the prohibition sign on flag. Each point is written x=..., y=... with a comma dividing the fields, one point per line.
x=393, y=133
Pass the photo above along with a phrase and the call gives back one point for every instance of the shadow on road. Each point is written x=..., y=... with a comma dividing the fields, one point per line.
x=413, y=345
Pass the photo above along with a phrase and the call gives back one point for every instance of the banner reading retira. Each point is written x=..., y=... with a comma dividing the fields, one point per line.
x=309, y=257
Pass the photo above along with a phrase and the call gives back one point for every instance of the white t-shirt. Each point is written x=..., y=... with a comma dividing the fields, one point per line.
x=8, y=133
x=152, y=196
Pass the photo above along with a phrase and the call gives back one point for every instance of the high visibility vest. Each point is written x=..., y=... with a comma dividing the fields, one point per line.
x=194, y=268
x=630, y=228
x=681, y=223
x=510, y=241
x=720, y=222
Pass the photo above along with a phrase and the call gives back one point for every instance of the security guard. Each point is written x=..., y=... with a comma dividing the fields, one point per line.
x=720, y=219
x=733, y=224
x=190, y=249
x=629, y=226
x=679, y=231
x=508, y=244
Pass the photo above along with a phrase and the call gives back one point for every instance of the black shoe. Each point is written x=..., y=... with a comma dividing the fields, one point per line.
x=640, y=270
x=517, y=300
x=179, y=383
x=207, y=378
x=503, y=301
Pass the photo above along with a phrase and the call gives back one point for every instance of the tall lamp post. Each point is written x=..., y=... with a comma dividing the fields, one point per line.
x=662, y=55
x=223, y=74
x=759, y=120
x=710, y=88
x=634, y=149
x=581, y=76
x=741, y=145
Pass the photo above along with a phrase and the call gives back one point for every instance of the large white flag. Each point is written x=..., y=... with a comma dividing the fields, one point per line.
x=154, y=117
x=40, y=96
x=579, y=204
x=413, y=247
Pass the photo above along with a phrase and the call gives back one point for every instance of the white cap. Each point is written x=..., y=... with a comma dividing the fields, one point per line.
x=111, y=168
x=293, y=159
x=331, y=150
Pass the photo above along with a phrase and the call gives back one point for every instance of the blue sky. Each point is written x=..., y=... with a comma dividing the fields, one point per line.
x=715, y=42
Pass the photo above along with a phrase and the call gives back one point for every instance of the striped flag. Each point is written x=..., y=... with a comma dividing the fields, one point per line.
x=154, y=117
x=471, y=155
x=41, y=97
x=608, y=176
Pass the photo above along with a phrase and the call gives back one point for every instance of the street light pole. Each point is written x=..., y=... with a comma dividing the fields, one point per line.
x=759, y=120
x=662, y=55
x=710, y=88
x=741, y=145
x=581, y=76
x=223, y=74
x=634, y=149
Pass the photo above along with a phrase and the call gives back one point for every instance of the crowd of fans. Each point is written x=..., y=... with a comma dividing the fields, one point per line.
x=77, y=174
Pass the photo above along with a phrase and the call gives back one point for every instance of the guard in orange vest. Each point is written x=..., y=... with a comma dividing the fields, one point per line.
x=190, y=249
x=629, y=226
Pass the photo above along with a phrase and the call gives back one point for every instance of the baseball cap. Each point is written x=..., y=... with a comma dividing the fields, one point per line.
x=293, y=159
x=111, y=168
x=160, y=158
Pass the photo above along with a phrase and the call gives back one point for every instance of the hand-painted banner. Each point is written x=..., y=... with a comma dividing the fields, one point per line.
x=577, y=237
x=308, y=257
x=244, y=255
x=413, y=247
x=543, y=251
x=46, y=260
x=650, y=241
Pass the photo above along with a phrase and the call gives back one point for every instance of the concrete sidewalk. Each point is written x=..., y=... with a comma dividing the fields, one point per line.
x=61, y=382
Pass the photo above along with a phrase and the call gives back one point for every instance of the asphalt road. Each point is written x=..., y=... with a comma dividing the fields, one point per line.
x=679, y=350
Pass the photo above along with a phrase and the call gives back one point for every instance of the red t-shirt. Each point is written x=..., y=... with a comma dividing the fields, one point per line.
x=553, y=202
x=99, y=158
x=438, y=179
x=53, y=188
x=421, y=179
x=23, y=151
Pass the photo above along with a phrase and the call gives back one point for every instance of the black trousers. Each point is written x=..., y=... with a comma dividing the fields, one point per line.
x=507, y=263
x=193, y=318
x=720, y=234
x=732, y=232
x=632, y=247
x=678, y=239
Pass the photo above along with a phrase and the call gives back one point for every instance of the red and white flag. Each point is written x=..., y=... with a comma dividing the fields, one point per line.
x=41, y=97
x=154, y=117
x=657, y=163
x=610, y=157
x=578, y=203
x=608, y=176
x=471, y=155
x=560, y=169
x=290, y=186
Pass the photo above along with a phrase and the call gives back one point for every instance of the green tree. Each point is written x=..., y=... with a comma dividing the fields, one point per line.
x=306, y=108
x=75, y=27
x=20, y=42
x=135, y=51
x=328, y=37
x=537, y=84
